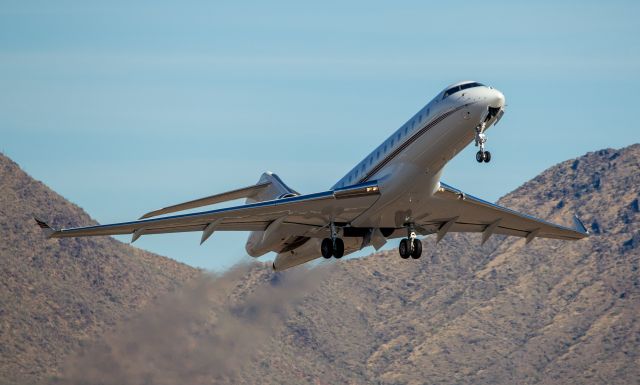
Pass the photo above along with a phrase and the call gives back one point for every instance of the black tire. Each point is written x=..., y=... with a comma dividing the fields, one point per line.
x=480, y=156
x=326, y=248
x=417, y=249
x=487, y=157
x=338, y=249
x=403, y=249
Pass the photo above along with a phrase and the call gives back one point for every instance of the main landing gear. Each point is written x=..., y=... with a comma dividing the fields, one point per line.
x=410, y=246
x=333, y=246
x=481, y=139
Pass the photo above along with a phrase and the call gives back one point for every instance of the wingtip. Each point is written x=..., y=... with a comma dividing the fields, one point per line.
x=48, y=230
x=579, y=226
x=41, y=223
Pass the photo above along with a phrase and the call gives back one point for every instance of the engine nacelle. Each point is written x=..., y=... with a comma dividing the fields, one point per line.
x=262, y=242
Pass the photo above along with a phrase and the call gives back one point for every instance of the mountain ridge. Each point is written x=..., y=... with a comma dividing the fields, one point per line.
x=504, y=312
x=56, y=295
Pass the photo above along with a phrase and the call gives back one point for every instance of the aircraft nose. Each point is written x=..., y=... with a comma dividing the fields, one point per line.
x=496, y=99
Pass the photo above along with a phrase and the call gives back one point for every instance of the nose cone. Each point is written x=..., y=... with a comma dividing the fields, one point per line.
x=496, y=99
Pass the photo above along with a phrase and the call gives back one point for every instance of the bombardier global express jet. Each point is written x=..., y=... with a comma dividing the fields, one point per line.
x=394, y=192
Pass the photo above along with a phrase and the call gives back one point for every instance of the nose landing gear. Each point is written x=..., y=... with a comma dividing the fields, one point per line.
x=483, y=156
x=481, y=139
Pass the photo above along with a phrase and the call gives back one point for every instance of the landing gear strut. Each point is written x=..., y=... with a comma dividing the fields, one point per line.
x=481, y=139
x=410, y=246
x=333, y=246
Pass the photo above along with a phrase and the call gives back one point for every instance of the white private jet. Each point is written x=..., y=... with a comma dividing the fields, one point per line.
x=394, y=192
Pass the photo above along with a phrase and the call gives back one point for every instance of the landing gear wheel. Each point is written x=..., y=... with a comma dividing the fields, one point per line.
x=403, y=249
x=417, y=249
x=338, y=248
x=326, y=248
x=481, y=139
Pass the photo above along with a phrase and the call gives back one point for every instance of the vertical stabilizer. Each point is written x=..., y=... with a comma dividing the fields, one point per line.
x=275, y=189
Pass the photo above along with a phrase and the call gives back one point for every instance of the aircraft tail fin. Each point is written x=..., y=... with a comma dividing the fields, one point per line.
x=275, y=188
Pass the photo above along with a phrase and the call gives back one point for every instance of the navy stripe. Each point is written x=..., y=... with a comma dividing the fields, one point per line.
x=275, y=202
x=409, y=141
x=358, y=185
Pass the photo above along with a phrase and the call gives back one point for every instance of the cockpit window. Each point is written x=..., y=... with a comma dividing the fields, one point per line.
x=470, y=85
x=455, y=89
x=451, y=91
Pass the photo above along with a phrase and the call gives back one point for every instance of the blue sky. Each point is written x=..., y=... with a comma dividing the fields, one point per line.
x=123, y=108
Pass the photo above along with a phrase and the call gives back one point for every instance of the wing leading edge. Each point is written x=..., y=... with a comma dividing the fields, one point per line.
x=460, y=212
x=304, y=213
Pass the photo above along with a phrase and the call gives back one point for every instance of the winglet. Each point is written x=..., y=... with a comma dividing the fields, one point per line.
x=579, y=226
x=48, y=231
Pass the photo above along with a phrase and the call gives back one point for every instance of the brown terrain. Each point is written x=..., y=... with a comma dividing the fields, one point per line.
x=56, y=295
x=550, y=312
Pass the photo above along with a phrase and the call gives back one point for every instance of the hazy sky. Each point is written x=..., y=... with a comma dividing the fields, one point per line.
x=125, y=108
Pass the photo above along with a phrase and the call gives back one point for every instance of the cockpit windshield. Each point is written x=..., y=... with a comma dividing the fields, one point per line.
x=461, y=87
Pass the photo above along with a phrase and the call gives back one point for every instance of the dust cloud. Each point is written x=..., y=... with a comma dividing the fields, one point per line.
x=204, y=333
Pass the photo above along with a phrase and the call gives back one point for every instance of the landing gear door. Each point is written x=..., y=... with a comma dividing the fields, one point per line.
x=499, y=116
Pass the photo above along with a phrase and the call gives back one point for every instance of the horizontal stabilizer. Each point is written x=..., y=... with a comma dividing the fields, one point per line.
x=245, y=192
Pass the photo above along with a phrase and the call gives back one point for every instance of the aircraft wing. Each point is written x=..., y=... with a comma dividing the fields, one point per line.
x=460, y=212
x=303, y=214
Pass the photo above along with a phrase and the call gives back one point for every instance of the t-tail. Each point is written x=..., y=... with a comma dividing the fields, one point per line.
x=274, y=237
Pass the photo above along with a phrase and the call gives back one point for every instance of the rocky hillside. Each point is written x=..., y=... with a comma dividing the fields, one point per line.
x=56, y=295
x=550, y=312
